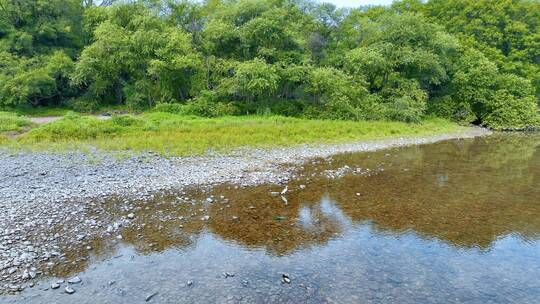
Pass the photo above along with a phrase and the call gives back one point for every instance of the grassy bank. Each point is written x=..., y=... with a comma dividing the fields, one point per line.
x=173, y=134
x=11, y=122
x=61, y=111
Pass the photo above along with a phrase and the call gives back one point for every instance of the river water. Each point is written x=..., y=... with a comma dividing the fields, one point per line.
x=452, y=222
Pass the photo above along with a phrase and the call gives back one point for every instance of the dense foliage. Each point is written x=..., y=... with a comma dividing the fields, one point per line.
x=474, y=61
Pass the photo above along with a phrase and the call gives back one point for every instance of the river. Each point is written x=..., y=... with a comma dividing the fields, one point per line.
x=452, y=222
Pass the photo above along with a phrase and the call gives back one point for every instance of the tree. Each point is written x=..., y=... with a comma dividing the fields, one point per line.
x=254, y=80
x=246, y=30
x=506, y=31
x=38, y=40
x=470, y=61
x=36, y=27
x=30, y=82
x=138, y=58
x=496, y=99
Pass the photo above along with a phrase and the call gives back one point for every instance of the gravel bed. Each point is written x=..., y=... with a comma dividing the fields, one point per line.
x=46, y=198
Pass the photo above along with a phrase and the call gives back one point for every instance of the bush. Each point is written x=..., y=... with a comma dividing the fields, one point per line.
x=405, y=101
x=506, y=111
x=173, y=108
x=27, y=87
x=460, y=112
x=41, y=81
x=206, y=108
x=339, y=95
x=255, y=79
x=125, y=121
x=340, y=108
x=198, y=107
x=84, y=104
x=288, y=107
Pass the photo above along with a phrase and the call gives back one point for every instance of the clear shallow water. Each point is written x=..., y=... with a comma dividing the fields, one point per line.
x=453, y=222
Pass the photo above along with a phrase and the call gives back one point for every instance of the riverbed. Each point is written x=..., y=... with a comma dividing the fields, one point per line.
x=457, y=221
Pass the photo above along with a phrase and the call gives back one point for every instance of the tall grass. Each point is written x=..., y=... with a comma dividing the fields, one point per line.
x=60, y=110
x=12, y=122
x=173, y=134
x=37, y=111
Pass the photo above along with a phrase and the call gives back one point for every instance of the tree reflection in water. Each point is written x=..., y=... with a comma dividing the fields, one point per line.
x=466, y=193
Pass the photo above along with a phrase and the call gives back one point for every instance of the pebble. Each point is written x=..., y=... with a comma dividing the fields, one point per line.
x=69, y=290
x=55, y=286
x=74, y=280
x=285, y=278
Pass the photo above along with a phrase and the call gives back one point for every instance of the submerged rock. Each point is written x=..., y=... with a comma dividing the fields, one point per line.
x=74, y=280
x=285, y=278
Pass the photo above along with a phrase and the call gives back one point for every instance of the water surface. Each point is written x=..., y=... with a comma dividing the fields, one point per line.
x=452, y=222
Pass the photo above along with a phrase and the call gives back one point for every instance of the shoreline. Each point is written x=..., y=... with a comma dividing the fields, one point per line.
x=53, y=203
x=53, y=176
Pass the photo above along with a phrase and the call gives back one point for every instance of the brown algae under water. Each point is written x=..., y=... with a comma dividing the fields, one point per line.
x=452, y=222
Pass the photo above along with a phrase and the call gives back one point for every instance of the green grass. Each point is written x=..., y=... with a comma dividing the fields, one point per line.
x=11, y=122
x=172, y=134
x=60, y=111
x=38, y=111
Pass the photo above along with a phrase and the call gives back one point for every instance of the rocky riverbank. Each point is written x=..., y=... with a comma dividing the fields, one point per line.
x=50, y=202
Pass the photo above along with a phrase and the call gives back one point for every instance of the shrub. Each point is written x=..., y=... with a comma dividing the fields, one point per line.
x=506, y=111
x=83, y=104
x=198, y=107
x=206, y=108
x=287, y=107
x=255, y=79
x=405, y=101
x=445, y=106
x=174, y=108
x=125, y=120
